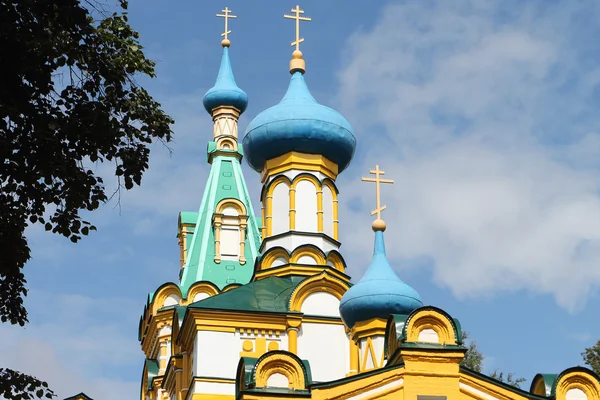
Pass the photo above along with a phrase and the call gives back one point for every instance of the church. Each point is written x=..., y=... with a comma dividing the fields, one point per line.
x=263, y=306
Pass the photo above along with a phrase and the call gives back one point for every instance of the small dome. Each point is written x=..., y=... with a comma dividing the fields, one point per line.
x=379, y=293
x=225, y=92
x=299, y=123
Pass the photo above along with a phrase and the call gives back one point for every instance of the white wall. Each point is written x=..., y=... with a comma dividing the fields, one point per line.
x=214, y=388
x=291, y=241
x=327, y=349
x=216, y=354
x=321, y=304
x=306, y=206
x=281, y=208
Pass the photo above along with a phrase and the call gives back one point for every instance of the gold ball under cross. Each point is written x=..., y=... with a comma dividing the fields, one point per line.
x=378, y=225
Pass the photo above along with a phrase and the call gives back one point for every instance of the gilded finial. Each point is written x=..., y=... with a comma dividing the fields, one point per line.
x=297, y=63
x=378, y=224
x=225, y=42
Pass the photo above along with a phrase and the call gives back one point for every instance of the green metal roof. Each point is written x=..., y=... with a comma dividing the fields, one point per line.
x=152, y=368
x=270, y=294
x=188, y=217
x=225, y=181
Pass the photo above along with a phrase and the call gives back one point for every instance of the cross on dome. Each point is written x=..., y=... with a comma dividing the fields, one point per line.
x=225, y=42
x=378, y=224
x=297, y=63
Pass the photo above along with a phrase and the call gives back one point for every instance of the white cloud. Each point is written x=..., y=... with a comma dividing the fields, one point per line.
x=467, y=102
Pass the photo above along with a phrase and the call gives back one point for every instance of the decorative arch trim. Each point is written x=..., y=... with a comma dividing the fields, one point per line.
x=334, y=190
x=223, y=142
x=305, y=176
x=432, y=318
x=232, y=202
x=337, y=260
x=160, y=296
x=281, y=362
x=268, y=188
x=308, y=250
x=576, y=378
x=271, y=255
x=201, y=287
x=318, y=283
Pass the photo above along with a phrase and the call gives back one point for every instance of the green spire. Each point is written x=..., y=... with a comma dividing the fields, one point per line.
x=221, y=241
x=225, y=195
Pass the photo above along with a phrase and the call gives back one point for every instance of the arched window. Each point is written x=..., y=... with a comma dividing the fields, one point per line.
x=327, y=211
x=229, y=223
x=306, y=206
x=280, y=215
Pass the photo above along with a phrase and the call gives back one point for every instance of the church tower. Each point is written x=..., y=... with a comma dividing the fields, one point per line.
x=299, y=147
x=220, y=242
x=366, y=306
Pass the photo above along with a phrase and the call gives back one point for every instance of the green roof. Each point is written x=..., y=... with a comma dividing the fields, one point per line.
x=270, y=294
x=188, y=217
x=152, y=371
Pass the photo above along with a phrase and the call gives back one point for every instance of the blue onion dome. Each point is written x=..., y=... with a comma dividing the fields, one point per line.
x=380, y=292
x=298, y=123
x=225, y=92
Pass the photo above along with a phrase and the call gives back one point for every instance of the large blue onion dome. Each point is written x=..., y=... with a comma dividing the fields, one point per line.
x=225, y=92
x=380, y=292
x=298, y=123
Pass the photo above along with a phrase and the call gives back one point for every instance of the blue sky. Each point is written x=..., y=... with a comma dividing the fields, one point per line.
x=484, y=113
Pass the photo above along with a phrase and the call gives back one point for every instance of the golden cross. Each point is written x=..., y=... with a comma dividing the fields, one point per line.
x=298, y=18
x=226, y=15
x=378, y=180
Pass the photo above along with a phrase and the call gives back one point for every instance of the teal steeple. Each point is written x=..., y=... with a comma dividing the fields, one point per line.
x=380, y=292
x=220, y=242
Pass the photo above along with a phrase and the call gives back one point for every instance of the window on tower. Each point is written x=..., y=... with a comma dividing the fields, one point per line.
x=229, y=224
x=230, y=242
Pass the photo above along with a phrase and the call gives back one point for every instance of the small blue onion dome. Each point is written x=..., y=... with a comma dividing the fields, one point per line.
x=225, y=92
x=298, y=123
x=379, y=293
